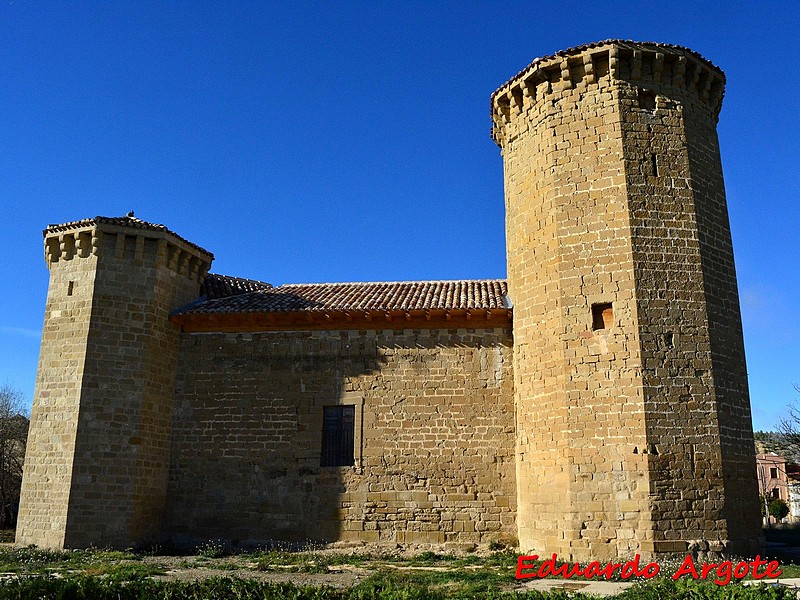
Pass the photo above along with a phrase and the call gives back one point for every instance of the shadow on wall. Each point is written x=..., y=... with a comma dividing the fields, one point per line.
x=741, y=510
x=247, y=455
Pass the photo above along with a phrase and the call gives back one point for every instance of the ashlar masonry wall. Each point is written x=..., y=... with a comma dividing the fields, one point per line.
x=59, y=383
x=582, y=488
x=434, y=437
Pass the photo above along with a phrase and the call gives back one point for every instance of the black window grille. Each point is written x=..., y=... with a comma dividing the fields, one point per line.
x=338, y=428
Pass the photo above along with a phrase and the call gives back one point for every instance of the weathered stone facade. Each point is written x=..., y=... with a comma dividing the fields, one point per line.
x=434, y=459
x=613, y=418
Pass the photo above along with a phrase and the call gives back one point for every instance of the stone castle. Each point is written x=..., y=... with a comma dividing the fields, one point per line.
x=594, y=405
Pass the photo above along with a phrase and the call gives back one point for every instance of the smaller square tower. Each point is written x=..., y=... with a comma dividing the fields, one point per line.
x=98, y=455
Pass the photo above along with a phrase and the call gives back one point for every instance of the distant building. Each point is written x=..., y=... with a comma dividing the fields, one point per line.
x=773, y=481
x=793, y=476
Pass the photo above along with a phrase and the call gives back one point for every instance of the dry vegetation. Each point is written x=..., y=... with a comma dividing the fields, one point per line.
x=209, y=572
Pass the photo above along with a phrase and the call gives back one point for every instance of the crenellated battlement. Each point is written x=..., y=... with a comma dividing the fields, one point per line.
x=658, y=69
x=126, y=238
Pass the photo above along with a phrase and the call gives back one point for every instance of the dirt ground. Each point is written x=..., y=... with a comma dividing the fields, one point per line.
x=193, y=567
x=341, y=576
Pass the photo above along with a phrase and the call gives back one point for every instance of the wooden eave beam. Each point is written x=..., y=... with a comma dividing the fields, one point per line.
x=344, y=319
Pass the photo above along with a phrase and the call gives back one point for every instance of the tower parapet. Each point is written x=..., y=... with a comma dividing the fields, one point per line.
x=656, y=69
x=633, y=414
x=126, y=236
x=98, y=450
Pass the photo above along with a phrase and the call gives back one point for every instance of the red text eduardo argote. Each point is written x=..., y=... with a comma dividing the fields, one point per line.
x=721, y=573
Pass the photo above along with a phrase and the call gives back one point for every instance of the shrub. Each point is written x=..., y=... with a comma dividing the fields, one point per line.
x=778, y=508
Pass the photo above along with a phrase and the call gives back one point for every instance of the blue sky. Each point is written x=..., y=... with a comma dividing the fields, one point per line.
x=305, y=142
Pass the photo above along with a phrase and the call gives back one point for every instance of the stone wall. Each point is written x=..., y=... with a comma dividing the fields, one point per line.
x=44, y=499
x=693, y=366
x=726, y=340
x=580, y=413
x=434, y=439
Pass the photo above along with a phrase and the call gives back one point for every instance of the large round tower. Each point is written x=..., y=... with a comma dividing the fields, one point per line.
x=633, y=417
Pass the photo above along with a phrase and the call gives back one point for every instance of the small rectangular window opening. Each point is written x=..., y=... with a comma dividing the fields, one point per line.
x=773, y=473
x=602, y=316
x=653, y=165
x=70, y=288
x=338, y=428
x=647, y=99
x=776, y=493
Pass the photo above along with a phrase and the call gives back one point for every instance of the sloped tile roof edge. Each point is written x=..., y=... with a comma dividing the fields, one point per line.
x=464, y=294
x=221, y=286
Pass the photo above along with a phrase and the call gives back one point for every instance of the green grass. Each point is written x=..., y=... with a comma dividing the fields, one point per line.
x=32, y=560
x=664, y=588
x=445, y=584
x=96, y=588
x=120, y=575
x=292, y=562
x=379, y=587
x=317, y=562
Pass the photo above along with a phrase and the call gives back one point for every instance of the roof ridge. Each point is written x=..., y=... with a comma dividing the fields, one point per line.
x=410, y=281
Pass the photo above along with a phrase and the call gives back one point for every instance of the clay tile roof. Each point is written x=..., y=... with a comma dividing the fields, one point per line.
x=126, y=221
x=619, y=42
x=485, y=294
x=222, y=286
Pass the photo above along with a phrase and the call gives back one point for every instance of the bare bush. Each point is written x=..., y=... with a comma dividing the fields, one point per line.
x=13, y=436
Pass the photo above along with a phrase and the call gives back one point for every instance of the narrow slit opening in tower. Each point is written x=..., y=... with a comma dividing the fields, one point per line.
x=70, y=288
x=653, y=165
x=602, y=316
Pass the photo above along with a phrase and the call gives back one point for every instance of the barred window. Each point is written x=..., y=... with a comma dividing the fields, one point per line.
x=338, y=426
